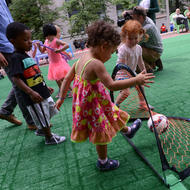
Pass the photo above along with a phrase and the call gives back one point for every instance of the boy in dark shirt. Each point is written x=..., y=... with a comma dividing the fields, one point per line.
x=26, y=77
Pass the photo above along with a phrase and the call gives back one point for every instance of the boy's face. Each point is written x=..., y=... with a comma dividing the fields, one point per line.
x=23, y=41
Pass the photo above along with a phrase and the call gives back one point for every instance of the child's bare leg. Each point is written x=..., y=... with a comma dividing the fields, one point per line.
x=131, y=131
x=59, y=82
x=141, y=98
x=122, y=96
x=103, y=163
x=102, y=151
x=47, y=132
x=142, y=101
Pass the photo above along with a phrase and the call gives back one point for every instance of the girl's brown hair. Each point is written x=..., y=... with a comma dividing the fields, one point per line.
x=132, y=27
x=100, y=32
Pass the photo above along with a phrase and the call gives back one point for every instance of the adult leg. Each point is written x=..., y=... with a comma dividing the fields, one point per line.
x=10, y=103
x=8, y=107
x=159, y=64
x=150, y=57
x=186, y=24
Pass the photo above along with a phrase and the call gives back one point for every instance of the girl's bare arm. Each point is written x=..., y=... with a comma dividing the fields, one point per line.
x=65, y=86
x=141, y=79
x=63, y=44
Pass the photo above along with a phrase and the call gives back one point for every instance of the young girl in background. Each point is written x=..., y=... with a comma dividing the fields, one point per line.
x=58, y=67
x=58, y=36
x=130, y=53
x=94, y=115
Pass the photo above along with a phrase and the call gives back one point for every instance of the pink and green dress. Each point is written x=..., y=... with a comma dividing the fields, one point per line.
x=94, y=115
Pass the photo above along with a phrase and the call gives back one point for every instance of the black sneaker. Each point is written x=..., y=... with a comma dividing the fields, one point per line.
x=55, y=139
x=39, y=132
x=159, y=65
x=109, y=165
x=134, y=128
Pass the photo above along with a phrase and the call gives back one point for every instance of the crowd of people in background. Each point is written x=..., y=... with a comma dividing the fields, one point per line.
x=80, y=44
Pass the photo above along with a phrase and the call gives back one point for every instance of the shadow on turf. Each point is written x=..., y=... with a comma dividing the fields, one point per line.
x=11, y=126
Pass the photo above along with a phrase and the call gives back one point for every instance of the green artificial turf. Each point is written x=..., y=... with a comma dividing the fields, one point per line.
x=26, y=163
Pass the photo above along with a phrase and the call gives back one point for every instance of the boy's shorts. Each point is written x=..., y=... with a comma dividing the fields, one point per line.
x=42, y=112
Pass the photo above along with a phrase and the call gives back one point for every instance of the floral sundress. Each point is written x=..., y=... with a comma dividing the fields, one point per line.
x=94, y=115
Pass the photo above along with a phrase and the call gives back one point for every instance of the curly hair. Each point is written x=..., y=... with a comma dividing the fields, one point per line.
x=100, y=32
x=132, y=27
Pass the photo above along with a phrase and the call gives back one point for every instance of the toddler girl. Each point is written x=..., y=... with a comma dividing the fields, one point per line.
x=130, y=53
x=94, y=115
x=58, y=67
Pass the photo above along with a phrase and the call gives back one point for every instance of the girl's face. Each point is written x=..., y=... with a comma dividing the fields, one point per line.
x=23, y=41
x=132, y=40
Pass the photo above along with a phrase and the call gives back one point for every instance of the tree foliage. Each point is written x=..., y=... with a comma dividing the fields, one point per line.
x=181, y=4
x=125, y=4
x=80, y=13
x=33, y=13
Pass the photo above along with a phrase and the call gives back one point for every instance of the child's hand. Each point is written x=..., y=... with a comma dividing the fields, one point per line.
x=58, y=104
x=3, y=61
x=36, y=98
x=57, y=50
x=35, y=45
x=143, y=78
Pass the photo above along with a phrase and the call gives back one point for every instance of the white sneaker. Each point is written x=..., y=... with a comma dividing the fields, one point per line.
x=55, y=139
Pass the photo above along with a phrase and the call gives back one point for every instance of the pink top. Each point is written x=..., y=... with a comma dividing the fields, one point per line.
x=53, y=57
